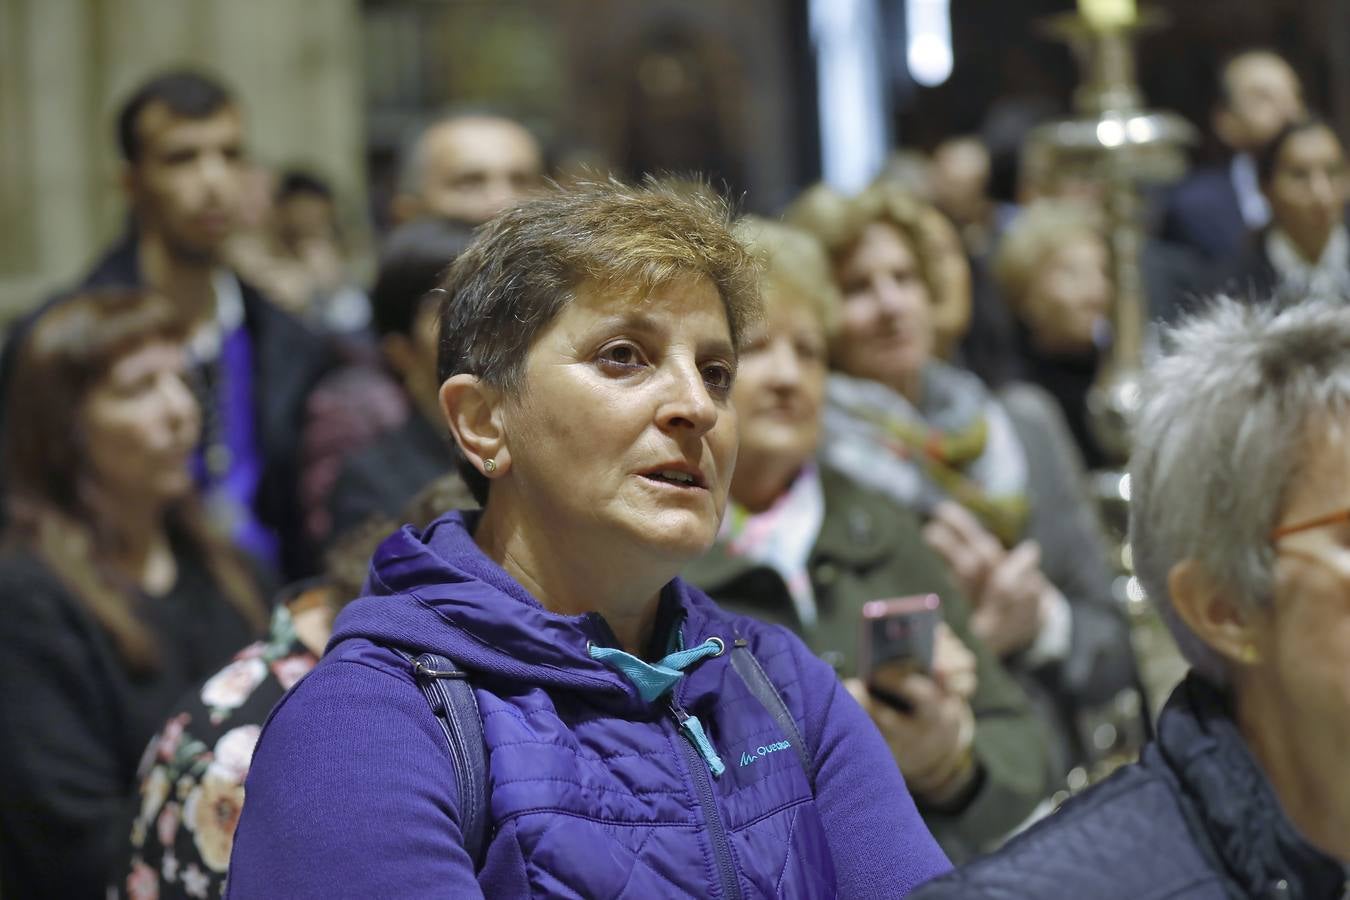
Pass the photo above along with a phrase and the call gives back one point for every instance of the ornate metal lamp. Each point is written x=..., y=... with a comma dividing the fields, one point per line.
x=1117, y=143
x=1120, y=144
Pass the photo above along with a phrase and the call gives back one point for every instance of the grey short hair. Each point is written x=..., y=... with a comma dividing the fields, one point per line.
x=1226, y=419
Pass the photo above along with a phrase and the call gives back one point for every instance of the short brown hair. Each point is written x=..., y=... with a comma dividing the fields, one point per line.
x=525, y=265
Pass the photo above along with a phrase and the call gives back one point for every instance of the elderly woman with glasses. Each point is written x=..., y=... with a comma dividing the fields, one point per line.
x=1241, y=533
x=639, y=741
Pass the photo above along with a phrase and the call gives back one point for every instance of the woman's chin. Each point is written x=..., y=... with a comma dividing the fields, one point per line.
x=678, y=536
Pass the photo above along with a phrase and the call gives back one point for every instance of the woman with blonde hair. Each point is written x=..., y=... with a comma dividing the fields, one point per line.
x=996, y=476
x=1053, y=269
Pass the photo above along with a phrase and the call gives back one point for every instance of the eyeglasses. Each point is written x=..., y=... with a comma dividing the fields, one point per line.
x=1334, y=518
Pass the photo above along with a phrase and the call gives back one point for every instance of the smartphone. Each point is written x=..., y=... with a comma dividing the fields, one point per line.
x=898, y=632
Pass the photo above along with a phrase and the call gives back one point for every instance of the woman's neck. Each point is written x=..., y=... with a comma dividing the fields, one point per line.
x=138, y=538
x=571, y=580
x=147, y=559
x=909, y=386
x=1302, y=761
x=761, y=479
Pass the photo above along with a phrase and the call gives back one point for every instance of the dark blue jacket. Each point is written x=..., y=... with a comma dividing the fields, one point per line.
x=1195, y=818
x=592, y=791
x=1203, y=213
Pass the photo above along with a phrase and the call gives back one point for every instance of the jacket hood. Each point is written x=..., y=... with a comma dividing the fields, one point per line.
x=435, y=591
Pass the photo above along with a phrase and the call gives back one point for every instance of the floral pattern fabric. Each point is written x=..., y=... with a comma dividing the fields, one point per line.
x=192, y=774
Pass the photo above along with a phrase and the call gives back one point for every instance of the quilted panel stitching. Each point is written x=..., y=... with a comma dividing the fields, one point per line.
x=578, y=753
x=590, y=787
x=787, y=857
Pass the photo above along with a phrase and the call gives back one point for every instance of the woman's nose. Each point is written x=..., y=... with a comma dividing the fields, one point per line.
x=688, y=404
x=895, y=301
x=178, y=404
x=1326, y=190
x=785, y=368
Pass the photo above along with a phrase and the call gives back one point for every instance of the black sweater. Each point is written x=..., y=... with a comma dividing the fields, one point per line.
x=74, y=720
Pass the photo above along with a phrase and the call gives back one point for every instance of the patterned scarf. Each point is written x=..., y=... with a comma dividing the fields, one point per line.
x=959, y=445
x=782, y=537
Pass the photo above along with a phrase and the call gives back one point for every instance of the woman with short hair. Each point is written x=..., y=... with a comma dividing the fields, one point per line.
x=1240, y=523
x=640, y=742
x=995, y=475
x=804, y=545
x=116, y=594
x=1053, y=270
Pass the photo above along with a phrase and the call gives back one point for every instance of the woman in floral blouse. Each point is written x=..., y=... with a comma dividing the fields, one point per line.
x=192, y=775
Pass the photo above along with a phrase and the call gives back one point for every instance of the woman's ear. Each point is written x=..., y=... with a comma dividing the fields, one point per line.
x=473, y=412
x=1211, y=614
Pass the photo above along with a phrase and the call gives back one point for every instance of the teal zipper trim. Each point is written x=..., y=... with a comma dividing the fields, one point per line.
x=717, y=832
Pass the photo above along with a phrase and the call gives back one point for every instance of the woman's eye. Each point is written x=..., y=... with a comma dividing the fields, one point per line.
x=621, y=357
x=718, y=377
x=135, y=387
x=810, y=351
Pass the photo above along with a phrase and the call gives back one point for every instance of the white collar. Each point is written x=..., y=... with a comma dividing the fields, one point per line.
x=1329, y=275
x=205, y=342
x=1252, y=203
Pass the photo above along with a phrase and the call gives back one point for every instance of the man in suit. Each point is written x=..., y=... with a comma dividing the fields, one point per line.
x=1214, y=209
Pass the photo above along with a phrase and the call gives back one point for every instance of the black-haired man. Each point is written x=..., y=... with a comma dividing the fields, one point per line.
x=181, y=136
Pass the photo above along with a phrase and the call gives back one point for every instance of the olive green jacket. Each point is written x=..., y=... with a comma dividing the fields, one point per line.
x=870, y=548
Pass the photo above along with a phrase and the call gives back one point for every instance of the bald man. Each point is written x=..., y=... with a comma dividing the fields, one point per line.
x=1216, y=208
x=468, y=168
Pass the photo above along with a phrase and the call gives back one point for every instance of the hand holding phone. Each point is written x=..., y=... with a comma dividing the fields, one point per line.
x=897, y=636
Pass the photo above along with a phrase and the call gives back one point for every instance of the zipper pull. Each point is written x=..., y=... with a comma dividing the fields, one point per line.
x=693, y=729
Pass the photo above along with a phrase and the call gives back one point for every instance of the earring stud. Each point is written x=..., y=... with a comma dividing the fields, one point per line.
x=1250, y=656
x=489, y=466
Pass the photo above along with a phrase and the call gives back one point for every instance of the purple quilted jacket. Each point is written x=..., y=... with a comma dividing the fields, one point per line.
x=592, y=791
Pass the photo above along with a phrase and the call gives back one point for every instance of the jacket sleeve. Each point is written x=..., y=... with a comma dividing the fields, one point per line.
x=64, y=791
x=879, y=844
x=1009, y=747
x=348, y=795
x=1100, y=659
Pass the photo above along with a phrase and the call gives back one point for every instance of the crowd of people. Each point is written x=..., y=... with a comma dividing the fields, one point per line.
x=555, y=561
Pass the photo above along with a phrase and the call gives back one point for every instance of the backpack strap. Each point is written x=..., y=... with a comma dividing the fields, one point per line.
x=752, y=673
x=447, y=690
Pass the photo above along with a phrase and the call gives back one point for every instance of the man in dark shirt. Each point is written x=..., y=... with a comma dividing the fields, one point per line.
x=181, y=137
x=1216, y=207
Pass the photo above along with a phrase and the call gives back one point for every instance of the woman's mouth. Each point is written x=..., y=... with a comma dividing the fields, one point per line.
x=682, y=477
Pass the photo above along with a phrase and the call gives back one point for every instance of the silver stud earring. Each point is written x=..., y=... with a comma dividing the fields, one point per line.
x=489, y=466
